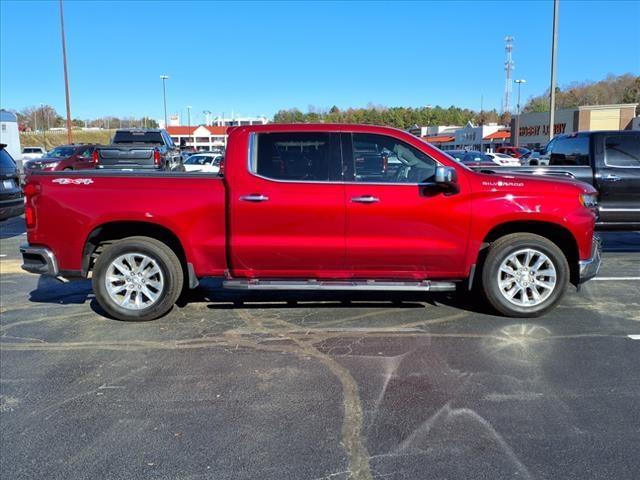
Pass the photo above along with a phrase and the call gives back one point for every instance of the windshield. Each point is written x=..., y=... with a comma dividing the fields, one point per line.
x=32, y=150
x=124, y=136
x=60, y=152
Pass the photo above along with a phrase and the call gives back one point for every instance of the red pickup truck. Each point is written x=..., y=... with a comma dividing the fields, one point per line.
x=297, y=208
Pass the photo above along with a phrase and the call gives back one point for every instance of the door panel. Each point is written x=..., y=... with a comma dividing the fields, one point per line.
x=619, y=178
x=397, y=228
x=288, y=216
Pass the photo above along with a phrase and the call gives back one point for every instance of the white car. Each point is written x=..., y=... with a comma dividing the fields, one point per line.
x=31, y=153
x=503, y=160
x=203, y=162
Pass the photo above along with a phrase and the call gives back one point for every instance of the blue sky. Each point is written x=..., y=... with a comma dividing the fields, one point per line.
x=256, y=58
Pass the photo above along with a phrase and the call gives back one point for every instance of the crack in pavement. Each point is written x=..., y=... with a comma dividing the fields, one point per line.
x=352, y=441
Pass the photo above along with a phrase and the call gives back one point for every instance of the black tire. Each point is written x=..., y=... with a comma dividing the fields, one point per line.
x=506, y=246
x=166, y=260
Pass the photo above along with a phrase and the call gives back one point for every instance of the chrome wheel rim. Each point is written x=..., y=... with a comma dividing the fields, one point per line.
x=527, y=277
x=134, y=281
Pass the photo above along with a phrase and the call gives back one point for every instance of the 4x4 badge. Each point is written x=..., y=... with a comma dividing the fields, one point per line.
x=73, y=181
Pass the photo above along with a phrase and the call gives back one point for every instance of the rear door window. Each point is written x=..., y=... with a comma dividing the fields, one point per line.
x=570, y=151
x=294, y=156
x=622, y=151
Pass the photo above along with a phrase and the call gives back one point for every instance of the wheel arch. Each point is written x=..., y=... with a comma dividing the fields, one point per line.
x=554, y=232
x=113, y=231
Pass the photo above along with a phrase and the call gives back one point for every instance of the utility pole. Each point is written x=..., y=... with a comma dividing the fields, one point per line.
x=66, y=76
x=164, y=79
x=44, y=129
x=519, y=82
x=554, y=48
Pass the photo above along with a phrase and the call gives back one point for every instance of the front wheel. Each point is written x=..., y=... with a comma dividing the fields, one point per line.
x=137, y=278
x=524, y=275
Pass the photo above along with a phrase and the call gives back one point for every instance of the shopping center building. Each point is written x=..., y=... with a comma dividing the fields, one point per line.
x=533, y=128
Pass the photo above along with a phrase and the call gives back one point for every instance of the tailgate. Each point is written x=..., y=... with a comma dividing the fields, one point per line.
x=126, y=157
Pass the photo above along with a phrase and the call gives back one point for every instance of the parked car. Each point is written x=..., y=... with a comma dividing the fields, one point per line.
x=11, y=198
x=64, y=157
x=608, y=160
x=139, y=149
x=472, y=158
x=29, y=153
x=293, y=213
x=533, y=159
x=503, y=159
x=515, y=152
x=203, y=162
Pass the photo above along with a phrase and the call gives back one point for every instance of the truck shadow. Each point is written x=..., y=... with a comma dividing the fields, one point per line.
x=12, y=227
x=210, y=292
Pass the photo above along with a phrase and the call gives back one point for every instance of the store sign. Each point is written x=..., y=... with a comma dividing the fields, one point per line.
x=535, y=130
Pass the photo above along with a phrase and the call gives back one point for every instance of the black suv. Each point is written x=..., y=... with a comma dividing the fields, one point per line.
x=11, y=198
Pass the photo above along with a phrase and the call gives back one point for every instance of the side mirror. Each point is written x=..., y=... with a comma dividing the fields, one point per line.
x=446, y=176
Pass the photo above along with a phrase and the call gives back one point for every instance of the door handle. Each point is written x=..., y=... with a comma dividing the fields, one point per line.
x=365, y=199
x=611, y=178
x=254, y=198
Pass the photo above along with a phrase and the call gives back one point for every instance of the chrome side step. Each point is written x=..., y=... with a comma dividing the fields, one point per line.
x=389, y=286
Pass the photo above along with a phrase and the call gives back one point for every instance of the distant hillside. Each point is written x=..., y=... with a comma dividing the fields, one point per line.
x=54, y=139
x=613, y=89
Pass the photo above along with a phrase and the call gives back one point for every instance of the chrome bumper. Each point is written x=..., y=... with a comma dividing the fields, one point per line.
x=39, y=260
x=589, y=268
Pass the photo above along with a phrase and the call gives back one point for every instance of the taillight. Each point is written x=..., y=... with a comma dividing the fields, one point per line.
x=156, y=157
x=95, y=157
x=30, y=215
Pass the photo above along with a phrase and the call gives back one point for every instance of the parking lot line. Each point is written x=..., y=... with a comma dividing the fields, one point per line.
x=601, y=279
x=634, y=337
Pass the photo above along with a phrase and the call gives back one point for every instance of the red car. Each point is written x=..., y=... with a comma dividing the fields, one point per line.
x=64, y=157
x=515, y=152
x=295, y=210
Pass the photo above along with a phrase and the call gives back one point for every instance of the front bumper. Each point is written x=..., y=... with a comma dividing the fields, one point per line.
x=39, y=260
x=589, y=268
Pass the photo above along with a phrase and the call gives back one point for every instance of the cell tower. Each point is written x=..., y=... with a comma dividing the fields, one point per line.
x=509, y=66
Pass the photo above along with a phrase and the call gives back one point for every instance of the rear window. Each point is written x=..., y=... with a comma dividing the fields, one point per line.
x=301, y=156
x=138, y=137
x=622, y=151
x=5, y=160
x=31, y=150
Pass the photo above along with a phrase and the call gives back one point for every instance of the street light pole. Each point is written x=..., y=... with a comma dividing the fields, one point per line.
x=66, y=76
x=554, y=47
x=164, y=78
x=519, y=82
x=193, y=139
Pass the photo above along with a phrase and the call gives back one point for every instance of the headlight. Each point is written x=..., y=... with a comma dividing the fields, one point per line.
x=51, y=165
x=589, y=200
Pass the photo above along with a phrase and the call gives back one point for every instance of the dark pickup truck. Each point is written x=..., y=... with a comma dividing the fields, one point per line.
x=608, y=160
x=139, y=149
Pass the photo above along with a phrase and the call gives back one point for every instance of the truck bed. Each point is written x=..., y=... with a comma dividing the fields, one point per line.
x=76, y=203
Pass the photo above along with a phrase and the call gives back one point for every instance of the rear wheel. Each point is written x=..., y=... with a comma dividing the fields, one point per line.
x=137, y=278
x=524, y=275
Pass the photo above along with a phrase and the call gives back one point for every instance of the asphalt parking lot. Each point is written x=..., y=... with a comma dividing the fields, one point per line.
x=238, y=386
